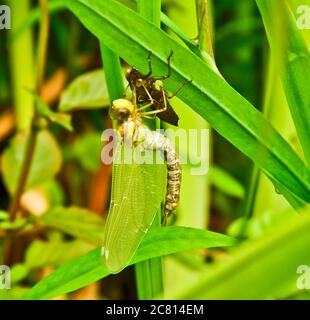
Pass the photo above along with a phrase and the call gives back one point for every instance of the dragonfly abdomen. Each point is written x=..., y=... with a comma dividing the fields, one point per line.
x=173, y=181
x=156, y=141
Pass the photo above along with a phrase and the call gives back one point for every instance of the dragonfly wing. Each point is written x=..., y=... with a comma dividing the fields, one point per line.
x=137, y=191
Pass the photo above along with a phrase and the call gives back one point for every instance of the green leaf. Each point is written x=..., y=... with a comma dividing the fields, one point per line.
x=63, y=119
x=88, y=91
x=16, y=224
x=13, y=294
x=50, y=253
x=264, y=268
x=256, y=227
x=210, y=96
x=45, y=164
x=19, y=272
x=54, y=192
x=42, y=254
x=4, y=215
x=225, y=182
x=78, y=222
x=290, y=51
x=158, y=242
x=87, y=150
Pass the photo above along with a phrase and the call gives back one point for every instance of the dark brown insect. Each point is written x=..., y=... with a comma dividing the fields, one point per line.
x=150, y=90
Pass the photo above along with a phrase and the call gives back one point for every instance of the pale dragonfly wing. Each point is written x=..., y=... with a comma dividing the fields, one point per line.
x=137, y=192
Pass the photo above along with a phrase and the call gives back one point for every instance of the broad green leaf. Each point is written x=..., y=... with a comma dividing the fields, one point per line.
x=63, y=119
x=87, y=150
x=291, y=53
x=227, y=111
x=158, y=242
x=78, y=222
x=226, y=183
x=51, y=253
x=85, y=92
x=15, y=293
x=45, y=164
x=16, y=224
x=18, y=273
x=263, y=268
x=54, y=192
x=4, y=215
x=256, y=227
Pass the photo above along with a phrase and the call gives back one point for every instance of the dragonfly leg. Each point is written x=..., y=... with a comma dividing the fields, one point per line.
x=155, y=112
x=150, y=117
x=166, y=215
x=169, y=69
x=148, y=105
x=180, y=88
x=150, y=65
x=134, y=96
x=126, y=90
x=148, y=94
x=164, y=219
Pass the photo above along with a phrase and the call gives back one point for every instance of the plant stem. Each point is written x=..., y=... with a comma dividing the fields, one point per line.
x=205, y=37
x=43, y=44
x=114, y=75
x=21, y=65
x=150, y=10
x=30, y=147
x=149, y=275
x=204, y=27
x=113, y=72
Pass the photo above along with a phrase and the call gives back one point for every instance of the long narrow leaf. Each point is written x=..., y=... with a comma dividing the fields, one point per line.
x=289, y=49
x=209, y=95
x=89, y=268
x=265, y=268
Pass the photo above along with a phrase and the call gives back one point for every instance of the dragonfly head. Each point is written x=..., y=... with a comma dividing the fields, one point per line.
x=122, y=109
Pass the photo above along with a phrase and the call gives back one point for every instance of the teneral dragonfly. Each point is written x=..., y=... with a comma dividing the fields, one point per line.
x=137, y=189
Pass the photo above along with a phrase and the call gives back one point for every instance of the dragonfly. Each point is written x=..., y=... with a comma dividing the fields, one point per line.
x=138, y=189
x=150, y=90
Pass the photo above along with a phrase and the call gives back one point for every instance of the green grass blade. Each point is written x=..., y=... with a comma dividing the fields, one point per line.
x=22, y=66
x=113, y=72
x=144, y=280
x=288, y=47
x=34, y=16
x=264, y=268
x=150, y=10
x=89, y=268
x=149, y=277
x=209, y=95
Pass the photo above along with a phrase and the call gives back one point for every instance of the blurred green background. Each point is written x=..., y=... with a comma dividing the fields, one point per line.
x=234, y=198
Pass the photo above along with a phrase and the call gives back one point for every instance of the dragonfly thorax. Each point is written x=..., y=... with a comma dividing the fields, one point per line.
x=122, y=109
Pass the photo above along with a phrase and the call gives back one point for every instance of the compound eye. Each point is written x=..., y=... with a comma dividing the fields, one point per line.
x=139, y=83
x=121, y=114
